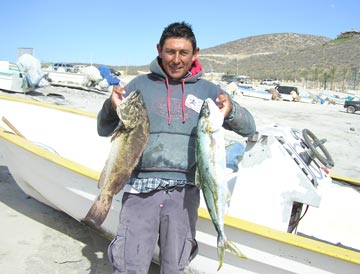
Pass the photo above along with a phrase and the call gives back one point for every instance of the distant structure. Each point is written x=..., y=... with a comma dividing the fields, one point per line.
x=22, y=51
x=349, y=34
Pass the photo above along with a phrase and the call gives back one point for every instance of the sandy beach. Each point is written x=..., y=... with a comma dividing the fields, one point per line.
x=38, y=239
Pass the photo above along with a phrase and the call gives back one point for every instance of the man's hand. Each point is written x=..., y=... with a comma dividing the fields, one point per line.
x=224, y=103
x=117, y=96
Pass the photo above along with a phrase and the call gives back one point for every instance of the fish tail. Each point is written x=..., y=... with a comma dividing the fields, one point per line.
x=224, y=244
x=231, y=247
x=98, y=212
x=220, y=252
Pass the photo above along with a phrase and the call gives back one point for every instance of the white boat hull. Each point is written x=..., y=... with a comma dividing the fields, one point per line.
x=10, y=79
x=67, y=181
x=77, y=79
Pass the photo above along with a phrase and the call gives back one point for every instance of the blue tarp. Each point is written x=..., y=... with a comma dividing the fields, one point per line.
x=106, y=74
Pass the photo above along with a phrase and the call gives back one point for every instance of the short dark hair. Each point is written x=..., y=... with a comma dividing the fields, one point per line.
x=180, y=30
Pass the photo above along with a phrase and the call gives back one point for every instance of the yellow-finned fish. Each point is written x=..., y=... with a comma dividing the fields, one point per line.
x=128, y=143
x=211, y=166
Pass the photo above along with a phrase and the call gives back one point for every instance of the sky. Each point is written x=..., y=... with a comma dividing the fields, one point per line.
x=125, y=33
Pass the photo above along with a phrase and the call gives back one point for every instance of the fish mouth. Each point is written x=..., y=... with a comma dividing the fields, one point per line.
x=90, y=223
x=205, y=109
x=98, y=229
x=131, y=96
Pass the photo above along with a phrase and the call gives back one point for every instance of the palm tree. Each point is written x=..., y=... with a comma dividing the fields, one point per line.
x=345, y=71
x=332, y=72
x=326, y=76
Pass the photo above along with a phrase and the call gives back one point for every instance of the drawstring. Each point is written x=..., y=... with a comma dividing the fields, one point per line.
x=169, y=100
x=183, y=100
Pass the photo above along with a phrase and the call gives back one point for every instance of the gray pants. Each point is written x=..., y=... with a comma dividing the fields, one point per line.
x=166, y=217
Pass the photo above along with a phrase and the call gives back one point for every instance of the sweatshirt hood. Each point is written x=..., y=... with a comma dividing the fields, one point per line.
x=192, y=76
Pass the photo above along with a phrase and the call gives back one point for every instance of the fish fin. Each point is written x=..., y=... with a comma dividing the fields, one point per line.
x=228, y=199
x=98, y=212
x=117, y=131
x=197, y=178
x=102, y=178
x=224, y=244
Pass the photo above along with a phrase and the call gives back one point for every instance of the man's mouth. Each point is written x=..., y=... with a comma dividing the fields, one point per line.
x=175, y=69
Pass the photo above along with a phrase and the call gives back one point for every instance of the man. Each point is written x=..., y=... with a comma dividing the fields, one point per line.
x=161, y=200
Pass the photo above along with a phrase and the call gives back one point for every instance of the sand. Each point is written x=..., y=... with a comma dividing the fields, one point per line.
x=332, y=122
x=37, y=239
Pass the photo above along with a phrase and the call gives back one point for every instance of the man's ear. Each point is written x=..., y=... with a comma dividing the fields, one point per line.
x=197, y=51
x=195, y=55
x=158, y=47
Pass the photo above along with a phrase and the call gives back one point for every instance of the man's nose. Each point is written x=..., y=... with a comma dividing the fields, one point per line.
x=176, y=58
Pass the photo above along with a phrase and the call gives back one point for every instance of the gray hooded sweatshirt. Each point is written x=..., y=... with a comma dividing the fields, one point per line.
x=173, y=108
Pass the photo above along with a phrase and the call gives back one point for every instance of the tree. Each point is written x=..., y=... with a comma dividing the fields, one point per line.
x=326, y=76
x=345, y=71
x=332, y=73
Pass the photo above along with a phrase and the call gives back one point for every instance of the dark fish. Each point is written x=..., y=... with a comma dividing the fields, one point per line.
x=211, y=166
x=128, y=143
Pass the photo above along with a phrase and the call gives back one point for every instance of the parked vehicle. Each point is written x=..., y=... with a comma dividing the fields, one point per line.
x=62, y=67
x=228, y=78
x=115, y=72
x=352, y=106
x=286, y=89
x=269, y=82
x=77, y=68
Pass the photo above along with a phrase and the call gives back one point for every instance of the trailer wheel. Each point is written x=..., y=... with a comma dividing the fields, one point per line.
x=313, y=143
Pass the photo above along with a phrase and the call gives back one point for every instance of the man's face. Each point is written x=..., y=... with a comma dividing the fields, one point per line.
x=177, y=55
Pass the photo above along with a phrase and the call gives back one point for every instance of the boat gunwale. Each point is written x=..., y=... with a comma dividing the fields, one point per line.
x=48, y=105
x=273, y=234
x=316, y=246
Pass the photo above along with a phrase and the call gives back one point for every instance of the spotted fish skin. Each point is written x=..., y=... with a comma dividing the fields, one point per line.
x=129, y=140
x=211, y=172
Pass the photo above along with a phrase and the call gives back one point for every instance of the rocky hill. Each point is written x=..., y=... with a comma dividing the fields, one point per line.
x=284, y=56
x=265, y=44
